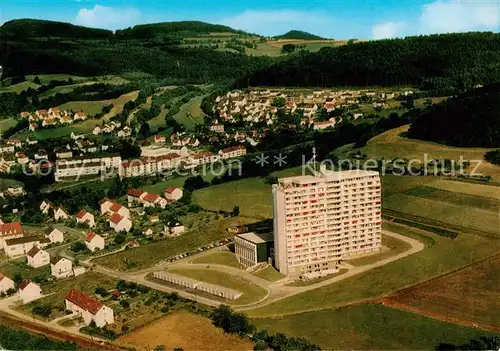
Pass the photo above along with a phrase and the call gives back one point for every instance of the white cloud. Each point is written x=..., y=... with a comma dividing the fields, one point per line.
x=278, y=22
x=459, y=16
x=387, y=30
x=108, y=17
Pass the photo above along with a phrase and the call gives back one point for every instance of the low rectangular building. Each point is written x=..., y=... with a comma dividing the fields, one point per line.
x=251, y=248
x=189, y=283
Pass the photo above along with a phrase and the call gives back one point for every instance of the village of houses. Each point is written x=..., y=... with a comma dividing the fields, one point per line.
x=16, y=244
x=163, y=154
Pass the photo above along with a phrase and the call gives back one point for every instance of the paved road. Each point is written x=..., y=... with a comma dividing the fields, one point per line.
x=276, y=290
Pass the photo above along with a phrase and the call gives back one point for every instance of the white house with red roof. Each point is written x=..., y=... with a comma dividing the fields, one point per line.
x=173, y=194
x=110, y=207
x=54, y=235
x=90, y=309
x=94, y=242
x=152, y=200
x=61, y=267
x=10, y=231
x=6, y=284
x=232, y=152
x=84, y=217
x=160, y=139
x=29, y=291
x=37, y=257
x=135, y=196
x=120, y=223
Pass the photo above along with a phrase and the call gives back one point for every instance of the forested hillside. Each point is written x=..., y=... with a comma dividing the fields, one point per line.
x=299, y=35
x=181, y=29
x=471, y=119
x=29, y=28
x=432, y=62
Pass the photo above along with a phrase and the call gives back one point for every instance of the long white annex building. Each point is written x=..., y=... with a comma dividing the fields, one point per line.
x=323, y=218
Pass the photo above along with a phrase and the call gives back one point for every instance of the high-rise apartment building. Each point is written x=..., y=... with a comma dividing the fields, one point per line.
x=323, y=218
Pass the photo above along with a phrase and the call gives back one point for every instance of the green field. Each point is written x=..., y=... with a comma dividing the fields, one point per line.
x=444, y=256
x=202, y=229
x=317, y=280
x=18, y=266
x=7, y=123
x=46, y=78
x=369, y=327
x=392, y=247
x=90, y=108
x=251, y=292
x=463, y=216
x=191, y=114
x=457, y=198
x=252, y=195
x=222, y=258
x=392, y=144
x=19, y=87
x=7, y=182
x=269, y=273
x=177, y=182
x=490, y=192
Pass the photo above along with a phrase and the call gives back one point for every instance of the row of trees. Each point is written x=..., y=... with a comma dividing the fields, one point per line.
x=237, y=323
x=437, y=61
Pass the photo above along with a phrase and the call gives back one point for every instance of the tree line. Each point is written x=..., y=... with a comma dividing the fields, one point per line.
x=468, y=120
x=436, y=61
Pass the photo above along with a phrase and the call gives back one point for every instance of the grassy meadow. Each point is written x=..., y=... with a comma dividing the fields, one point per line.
x=221, y=258
x=444, y=256
x=471, y=294
x=202, y=229
x=368, y=327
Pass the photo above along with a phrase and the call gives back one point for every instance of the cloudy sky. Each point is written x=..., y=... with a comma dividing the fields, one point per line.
x=338, y=19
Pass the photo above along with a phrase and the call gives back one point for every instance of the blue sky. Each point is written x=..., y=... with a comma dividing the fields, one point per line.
x=338, y=19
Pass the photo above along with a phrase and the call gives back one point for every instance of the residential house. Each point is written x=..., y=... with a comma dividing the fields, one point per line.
x=125, y=132
x=217, y=127
x=160, y=139
x=6, y=284
x=173, y=194
x=152, y=200
x=54, y=235
x=232, y=152
x=111, y=207
x=22, y=158
x=21, y=246
x=120, y=223
x=10, y=231
x=63, y=153
x=94, y=242
x=89, y=309
x=29, y=291
x=37, y=257
x=61, y=214
x=61, y=267
x=148, y=232
x=87, y=218
x=135, y=196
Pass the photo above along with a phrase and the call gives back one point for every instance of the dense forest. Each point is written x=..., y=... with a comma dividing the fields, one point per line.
x=437, y=62
x=299, y=35
x=29, y=28
x=180, y=29
x=469, y=120
x=431, y=62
